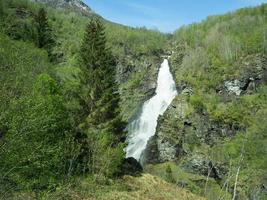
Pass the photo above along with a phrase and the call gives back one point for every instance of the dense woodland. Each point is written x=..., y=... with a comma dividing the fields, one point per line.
x=60, y=113
x=64, y=111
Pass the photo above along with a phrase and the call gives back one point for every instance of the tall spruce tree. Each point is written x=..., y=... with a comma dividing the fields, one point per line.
x=103, y=126
x=2, y=9
x=44, y=32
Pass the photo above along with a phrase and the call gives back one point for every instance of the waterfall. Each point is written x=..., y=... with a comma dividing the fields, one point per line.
x=144, y=127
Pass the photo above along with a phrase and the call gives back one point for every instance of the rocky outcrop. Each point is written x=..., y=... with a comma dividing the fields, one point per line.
x=75, y=5
x=164, y=145
x=254, y=73
x=198, y=164
x=179, y=132
x=233, y=87
x=137, y=83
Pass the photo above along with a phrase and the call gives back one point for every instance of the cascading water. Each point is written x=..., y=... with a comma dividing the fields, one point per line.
x=141, y=129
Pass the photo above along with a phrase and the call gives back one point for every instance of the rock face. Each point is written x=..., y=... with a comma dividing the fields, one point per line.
x=75, y=5
x=198, y=164
x=178, y=133
x=137, y=83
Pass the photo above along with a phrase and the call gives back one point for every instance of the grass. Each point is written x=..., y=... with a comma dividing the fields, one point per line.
x=149, y=187
x=193, y=182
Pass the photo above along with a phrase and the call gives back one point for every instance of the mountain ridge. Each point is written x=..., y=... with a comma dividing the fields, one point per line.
x=75, y=5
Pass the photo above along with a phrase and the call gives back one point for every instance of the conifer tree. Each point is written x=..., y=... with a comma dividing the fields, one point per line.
x=44, y=32
x=1, y=8
x=103, y=124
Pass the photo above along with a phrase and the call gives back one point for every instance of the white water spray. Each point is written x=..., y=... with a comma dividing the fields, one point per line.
x=141, y=129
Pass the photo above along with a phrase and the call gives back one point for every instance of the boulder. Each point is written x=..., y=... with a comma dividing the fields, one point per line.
x=131, y=166
x=233, y=87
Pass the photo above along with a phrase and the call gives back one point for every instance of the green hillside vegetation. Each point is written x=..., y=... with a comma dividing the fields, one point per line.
x=134, y=48
x=217, y=45
x=206, y=56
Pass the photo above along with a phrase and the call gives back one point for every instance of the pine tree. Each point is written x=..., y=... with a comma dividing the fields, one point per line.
x=44, y=32
x=2, y=9
x=103, y=123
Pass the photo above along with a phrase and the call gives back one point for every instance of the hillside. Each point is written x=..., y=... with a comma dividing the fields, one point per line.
x=214, y=134
x=54, y=144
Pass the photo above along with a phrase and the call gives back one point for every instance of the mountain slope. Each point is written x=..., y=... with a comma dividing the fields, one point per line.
x=215, y=127
x=75, y=5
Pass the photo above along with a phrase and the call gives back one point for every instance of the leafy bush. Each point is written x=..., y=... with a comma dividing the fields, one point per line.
x=197, y=103
x=35, y=149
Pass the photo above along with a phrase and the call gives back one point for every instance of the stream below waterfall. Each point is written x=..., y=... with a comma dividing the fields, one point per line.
x=144, y=126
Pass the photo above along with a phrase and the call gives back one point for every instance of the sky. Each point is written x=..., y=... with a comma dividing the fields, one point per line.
x=164, y=15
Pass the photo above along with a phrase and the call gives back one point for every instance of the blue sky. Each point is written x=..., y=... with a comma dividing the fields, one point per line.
x=164, y=15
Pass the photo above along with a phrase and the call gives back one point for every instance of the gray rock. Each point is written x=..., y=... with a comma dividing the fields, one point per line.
x=167, y=150
x=233, y=87
x=198, y=164
x=187, y=91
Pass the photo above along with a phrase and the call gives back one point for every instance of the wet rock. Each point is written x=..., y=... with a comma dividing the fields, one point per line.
x=131, y=166
x=151, y=153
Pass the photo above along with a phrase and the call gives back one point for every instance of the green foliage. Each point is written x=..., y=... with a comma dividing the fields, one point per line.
x=195, y=183
x=19, y=29
x=20, y=64
x=57, y=121
x=103, y=127
x=197, y=103
x=17, y=21
x=219, y=49
x=35, y=149
x=135, y=41
x=70, y=123
x=44, y=33
x=61, y=107
x=214, y=47
x=252, y=145
x=2, y=9
x=169, y=176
